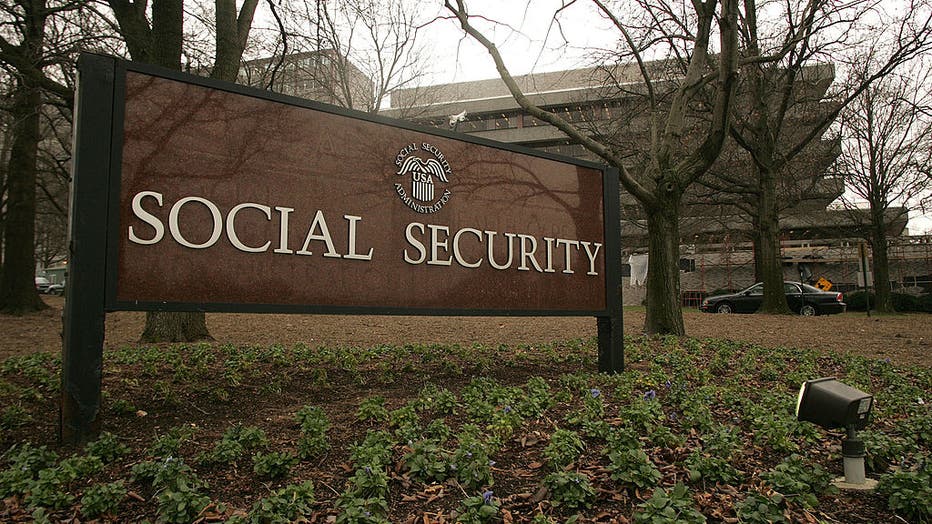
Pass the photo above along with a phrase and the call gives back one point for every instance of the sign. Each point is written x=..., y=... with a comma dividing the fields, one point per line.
x=191, y=194
x=231, y=198
x=823, y=284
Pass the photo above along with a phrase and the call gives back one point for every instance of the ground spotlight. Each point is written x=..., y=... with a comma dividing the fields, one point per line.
x=832, y=404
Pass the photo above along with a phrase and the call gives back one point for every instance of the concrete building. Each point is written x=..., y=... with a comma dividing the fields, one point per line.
x=324, y=76
x=716, y=252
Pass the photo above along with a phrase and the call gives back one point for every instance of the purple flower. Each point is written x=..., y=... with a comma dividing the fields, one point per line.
x=595, y=393
x=487, y=497
x=507, y=409
x=669, y=384
x=650, y=395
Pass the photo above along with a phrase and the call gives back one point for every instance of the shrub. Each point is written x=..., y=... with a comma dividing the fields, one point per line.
x=374, y=451
x=181, y=504
x=357, y=510
x=674, y=506
x=479, y=509
x=570, y=489
x=793, y=478
x=107, y=448
x=169, y=443
x=102, y=499
x=25, y=462
x=472, y=464
x=369, y=483
x=761, y=509
x=633, y=468
x=426, y=462
x=288, y=504
x=372, y=409
x=909, y=493
x=273, y=465
x=882, y=451
x=47, y=490
x=233, y=444
x=312, y=419
x=564, y=448
x=80, y=467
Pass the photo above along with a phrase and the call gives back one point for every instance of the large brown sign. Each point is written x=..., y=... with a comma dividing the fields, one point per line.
x=194, y=194
x=227, y=198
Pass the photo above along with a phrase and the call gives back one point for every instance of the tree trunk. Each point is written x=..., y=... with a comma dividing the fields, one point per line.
x=167, y=39
x=883, y=300
x=769, y=261
x=755, y=249
x=18, y=293
x=175, y=327
x=664, y=314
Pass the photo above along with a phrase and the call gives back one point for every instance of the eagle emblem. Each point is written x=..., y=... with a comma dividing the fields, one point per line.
x=422, y=176
x=424, y=197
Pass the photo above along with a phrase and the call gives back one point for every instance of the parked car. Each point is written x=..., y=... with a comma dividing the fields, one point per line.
x=42, y=284
x=56, y=289
x=802, y=298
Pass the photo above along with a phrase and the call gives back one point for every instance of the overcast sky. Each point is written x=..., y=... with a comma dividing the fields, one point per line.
x=520, y=35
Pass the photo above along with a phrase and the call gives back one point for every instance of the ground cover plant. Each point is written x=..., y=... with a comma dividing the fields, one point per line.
x=693, y=431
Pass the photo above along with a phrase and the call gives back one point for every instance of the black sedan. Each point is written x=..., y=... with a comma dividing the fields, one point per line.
x=802, y=298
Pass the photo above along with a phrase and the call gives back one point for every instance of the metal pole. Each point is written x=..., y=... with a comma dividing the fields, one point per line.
x=852, y=451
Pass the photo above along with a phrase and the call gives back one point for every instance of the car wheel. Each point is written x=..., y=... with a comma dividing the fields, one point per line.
x=808, y=310
x=724, y=308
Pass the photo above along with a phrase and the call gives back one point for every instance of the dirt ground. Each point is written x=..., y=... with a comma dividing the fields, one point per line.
x=905, y=339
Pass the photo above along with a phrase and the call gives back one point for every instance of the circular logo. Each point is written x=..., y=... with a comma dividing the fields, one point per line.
x=427, y=171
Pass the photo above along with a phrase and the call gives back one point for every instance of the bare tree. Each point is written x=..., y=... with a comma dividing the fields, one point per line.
x=887, y=158
x=26, y=53
x=161, y=42
x=785, y=105
x=681, y=148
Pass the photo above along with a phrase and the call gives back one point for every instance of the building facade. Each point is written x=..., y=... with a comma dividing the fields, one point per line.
x=716, y=252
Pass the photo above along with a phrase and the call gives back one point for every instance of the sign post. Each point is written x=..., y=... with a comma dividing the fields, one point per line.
x=83, y=316
x=192, y=194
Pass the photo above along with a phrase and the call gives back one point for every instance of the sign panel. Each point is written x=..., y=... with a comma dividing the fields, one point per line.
x=232, y=197
x=192, y=194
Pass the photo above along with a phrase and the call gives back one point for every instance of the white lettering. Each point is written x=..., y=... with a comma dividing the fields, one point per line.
x=528, y=254
x=176, y=231
x=283, y=230
x=231, y=230
x=549, y=268
x=456, y=247
x=435, y=243
x=567, y=243
x=591, y=255
x=415, y=243
x=511, y=238
x=319, y=223
x=351, y=250
x=148, y=218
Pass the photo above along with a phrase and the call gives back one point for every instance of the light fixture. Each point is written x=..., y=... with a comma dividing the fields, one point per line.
x=833, y=404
